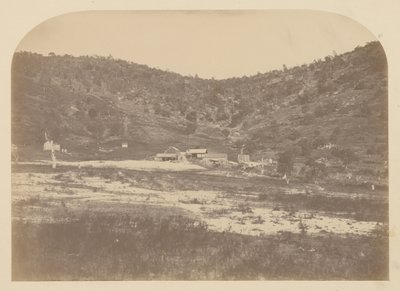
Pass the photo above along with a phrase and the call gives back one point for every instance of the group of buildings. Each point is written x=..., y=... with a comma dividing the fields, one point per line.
x=174, y=154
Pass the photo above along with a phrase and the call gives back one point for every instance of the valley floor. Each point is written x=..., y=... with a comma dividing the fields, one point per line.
x=140, y=220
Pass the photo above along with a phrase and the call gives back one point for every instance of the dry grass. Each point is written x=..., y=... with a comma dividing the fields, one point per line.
x=122, y=247
x=70, y=239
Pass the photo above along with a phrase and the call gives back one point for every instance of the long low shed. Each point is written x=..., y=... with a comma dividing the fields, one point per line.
x=217, y=158
x=197, y=153
x=166, y=157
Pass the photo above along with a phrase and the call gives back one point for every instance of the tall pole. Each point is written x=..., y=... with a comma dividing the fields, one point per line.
x=52, y=151
x=53, y=156
x=262, y=166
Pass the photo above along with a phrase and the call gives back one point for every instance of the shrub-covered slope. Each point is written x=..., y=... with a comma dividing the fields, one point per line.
x=90, y=102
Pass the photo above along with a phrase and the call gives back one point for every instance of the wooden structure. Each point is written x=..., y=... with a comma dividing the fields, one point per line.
x=242, y=159
x=50, y=145
x=216, y=159
x=197, y=153
x=171, y=154
x=166, y=157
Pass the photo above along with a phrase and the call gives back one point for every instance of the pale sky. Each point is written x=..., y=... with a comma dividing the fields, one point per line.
x=209, y=44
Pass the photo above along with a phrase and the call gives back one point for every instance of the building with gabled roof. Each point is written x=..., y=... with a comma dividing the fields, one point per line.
x=197, y=153
x=166, y=157
x=171, y=154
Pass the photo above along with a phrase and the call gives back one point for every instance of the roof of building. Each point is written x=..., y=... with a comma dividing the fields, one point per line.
x=216, y=156
x=49, y=142
x=243, y=155
x=197, y=151
x=172, y=150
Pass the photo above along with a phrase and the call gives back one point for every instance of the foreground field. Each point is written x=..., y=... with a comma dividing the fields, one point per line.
x=123, y=223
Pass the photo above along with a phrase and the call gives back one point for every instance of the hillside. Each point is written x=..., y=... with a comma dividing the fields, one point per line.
x=91, y=102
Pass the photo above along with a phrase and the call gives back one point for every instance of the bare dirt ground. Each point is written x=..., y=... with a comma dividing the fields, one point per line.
x=126, y=164
x=220, y=210
x=221, y=201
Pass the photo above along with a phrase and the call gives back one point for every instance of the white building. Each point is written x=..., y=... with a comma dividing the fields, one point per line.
x=49, y=145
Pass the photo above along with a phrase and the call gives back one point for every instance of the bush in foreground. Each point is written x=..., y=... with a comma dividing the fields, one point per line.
x=120, y=247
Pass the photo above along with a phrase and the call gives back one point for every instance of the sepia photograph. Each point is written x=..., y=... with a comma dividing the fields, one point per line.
x=199, y=145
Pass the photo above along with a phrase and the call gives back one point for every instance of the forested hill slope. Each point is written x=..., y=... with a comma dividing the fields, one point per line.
x=89, y=101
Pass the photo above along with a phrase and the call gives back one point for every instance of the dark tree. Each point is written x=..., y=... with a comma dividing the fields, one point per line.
x=92, y=113
x=285, y=162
